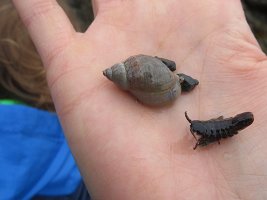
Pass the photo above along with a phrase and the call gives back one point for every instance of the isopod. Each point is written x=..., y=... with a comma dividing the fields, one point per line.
x=214, y=130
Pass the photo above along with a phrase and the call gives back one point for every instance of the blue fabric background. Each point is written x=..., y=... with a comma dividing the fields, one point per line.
x=34, y=156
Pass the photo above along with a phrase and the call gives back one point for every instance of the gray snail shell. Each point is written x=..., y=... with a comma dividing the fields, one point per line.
x=147, y=78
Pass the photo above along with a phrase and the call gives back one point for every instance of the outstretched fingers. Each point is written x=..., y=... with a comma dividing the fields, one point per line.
x=48, y=25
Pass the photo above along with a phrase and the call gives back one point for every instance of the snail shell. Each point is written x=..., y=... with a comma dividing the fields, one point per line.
x=147, y=78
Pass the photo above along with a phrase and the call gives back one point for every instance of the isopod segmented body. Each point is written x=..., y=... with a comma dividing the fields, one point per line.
x=214, y=130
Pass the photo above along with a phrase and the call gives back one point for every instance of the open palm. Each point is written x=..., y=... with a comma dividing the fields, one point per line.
x=126, y=150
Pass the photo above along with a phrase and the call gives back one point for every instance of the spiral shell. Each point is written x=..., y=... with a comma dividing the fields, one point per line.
x=147, y=78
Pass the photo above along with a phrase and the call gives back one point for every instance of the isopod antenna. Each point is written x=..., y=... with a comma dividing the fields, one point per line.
x=186, y=116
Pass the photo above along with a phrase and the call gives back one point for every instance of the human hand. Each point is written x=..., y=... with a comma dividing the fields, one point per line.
x=126, y=150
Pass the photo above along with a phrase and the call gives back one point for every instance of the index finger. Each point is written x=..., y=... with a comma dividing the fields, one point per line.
x=48, y=25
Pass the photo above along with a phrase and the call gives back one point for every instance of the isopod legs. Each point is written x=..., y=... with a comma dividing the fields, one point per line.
x=193, y=134
x=196, y=146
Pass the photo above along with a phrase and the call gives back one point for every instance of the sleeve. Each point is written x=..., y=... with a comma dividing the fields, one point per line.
x=34, y=155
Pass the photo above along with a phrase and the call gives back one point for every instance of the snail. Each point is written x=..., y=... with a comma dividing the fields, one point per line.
x=150, y=79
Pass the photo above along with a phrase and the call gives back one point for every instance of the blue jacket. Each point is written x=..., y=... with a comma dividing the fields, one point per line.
x=34, y=156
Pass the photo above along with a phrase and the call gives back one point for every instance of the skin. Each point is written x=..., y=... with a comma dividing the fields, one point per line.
x=126, y=150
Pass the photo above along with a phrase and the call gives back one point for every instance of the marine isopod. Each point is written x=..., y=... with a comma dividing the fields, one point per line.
x=214, y=130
